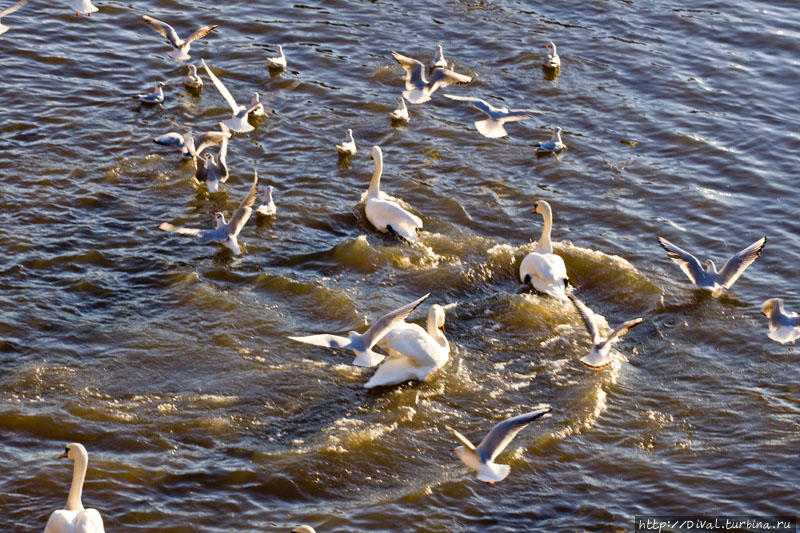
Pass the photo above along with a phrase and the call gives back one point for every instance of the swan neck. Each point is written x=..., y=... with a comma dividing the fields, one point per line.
x=544, y=245
x=434, y=331
x=375, y=183
x=76, y=488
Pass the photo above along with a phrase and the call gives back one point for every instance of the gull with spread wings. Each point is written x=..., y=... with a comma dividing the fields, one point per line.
x=238, y=121
x=190, y=146
x=492, y=127
x=418, y=88
x=600, y=354
x=180, y=47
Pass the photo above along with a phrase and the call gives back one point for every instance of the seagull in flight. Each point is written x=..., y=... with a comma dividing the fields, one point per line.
x=238, y=121
x=492, y=127
x=708, y=278
x=362, y=343
x=225, y=233
x=180, y=47
x=600, y=354
x=418, y=88
x=783, y=327
x=481, y=458
x=190, y=146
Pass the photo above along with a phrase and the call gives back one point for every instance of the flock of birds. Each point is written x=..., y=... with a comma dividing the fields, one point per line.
x=414, y=353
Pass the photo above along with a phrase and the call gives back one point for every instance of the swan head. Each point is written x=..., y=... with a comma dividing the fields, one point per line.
x=769, y=306
x=74, y=451
x=350, y=135
x=376, y=153
x=436, y=316
x=542, y=207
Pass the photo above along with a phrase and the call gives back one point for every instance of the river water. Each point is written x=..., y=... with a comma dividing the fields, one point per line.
x=169, y=360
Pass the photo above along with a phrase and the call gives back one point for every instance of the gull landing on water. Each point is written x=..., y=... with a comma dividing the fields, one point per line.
x=155, y=97
x=708, y=278
x=189, y=146
x=8, y=11
x=493, y=126
x=238, y=121
x=224, y=233
x=83, y=6
x=783, y=327
x=362, y=343
x=180, y=47
x=600, y=354
x=481, y=458
x=215, y=171
x=418, y=88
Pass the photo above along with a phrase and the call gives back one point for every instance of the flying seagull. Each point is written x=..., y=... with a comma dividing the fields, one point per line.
x=599, y=356
x=418, y=88
x=180, y=47
x=492, y=127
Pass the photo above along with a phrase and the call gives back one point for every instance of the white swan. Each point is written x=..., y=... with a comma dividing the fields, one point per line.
x=600, y=353
x=542, y=268
x=481, y=458
x=414, y=353
x=384, y=214
x=551, y=60
x=783, y=327
x=348, y=146
x=279, y=61
x=74, y=518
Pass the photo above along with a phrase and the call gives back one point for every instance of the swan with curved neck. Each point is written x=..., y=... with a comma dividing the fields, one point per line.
x=414, y=353
x=543, y=269
x=74, y=517
x=384, y=214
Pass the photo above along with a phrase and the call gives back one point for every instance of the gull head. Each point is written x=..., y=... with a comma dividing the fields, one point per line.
x=710, y=267
x=220, y=217
x=769, y=305
x=192, y=69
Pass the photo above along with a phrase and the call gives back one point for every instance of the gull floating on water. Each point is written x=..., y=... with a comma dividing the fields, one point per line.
x=267, y=207
x=238, y=121
x=279, y=61
x=74, y=518
x=382, y=212
x=418, y=88
x=348, y=146
x=155, y=97
x=414, y=353
x=554, y=145
x=189, y=146
x=543, y=269
x=180, y=47
x=8, y=11
x=783, y=327
x=258, y=110
x=438, y=60
x=401, y=113
x=224, y=233
x=481, y=458
x=551, y=60
x=708, y=278
x=192, y=80
x=83, y=6
x=492, y=127
x=362, y=343
x=215, y=171
x=304, y=529
x=600, y=354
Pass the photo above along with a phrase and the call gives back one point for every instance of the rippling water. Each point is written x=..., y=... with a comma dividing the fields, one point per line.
x=170, y=360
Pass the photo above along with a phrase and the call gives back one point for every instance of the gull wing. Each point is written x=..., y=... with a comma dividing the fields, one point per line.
x=462, y=438
x=221, y=88
x=623, y=329
x=477, y=103
x=164, y=29
x=688, y=263
x=415, y=71
x=194, y=232
x=223, y=150
x=739, y=262
x=588, y=318
x=242, y=214
x=498, y=438
x=385, y=323
x=200, y=33
x=11, y=9
x=210, y=138
x=171, y=139
x=513, y=115
x=325, y=340
x=443, y=76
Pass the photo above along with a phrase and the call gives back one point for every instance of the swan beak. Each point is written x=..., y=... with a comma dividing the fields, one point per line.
x=533, y=210
x=63, y=455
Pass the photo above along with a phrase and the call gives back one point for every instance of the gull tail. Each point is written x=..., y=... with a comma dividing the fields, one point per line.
x=491, y=128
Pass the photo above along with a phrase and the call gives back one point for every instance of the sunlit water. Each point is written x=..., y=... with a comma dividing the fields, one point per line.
x=170, y=360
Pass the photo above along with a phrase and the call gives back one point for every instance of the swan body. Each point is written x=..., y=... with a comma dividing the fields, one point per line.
x=192, y=80
x=481, y=458
x=155, y=97
x=74, y=518
x=238, y=121
x=418, y=88
x=348, y=146
x=554, y=145
x=384, y=214
x=600, y=353
x=543, y=269
x=267, y=207
x=8, y=11
x=708, y=278
x=401, y=113
x=277, y=62
x=783, y=327
x=83, y=6
x=180, y=48
x=414, y=353
x=551, y=60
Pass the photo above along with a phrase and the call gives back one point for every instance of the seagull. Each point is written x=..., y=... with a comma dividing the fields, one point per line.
x=438, y=60
x=181, y=47
x=554, y=145
x=304, y=529
x=279, y=61
x=362, y=343
x=492, y=127
x=551, y=60
x=481, y=458
x=215, y=171
x=258, y=110
x=348, y=146
x=418, y=88
x=224, y=233
x=8, y=11
x=189, y=146
x=155, y=97
x=238, y=121
x=267, y=207
x=599, y=356
x=401, y=113
x=83, y=6
x=783, y=327
x=192, y=80
x=708, y=278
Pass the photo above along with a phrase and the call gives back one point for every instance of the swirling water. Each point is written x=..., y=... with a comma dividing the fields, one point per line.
x=170, y=360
